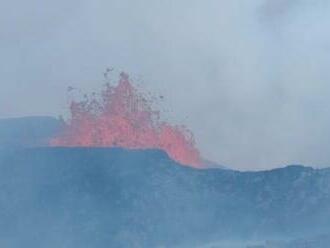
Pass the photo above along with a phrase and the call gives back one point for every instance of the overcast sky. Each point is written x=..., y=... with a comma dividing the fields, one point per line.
x=250, y=78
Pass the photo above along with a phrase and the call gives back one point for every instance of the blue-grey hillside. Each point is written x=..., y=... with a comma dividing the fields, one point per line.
x=79, y=197
x=27, y=131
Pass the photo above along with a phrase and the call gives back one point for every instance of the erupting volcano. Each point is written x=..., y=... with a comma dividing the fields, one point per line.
x=123, y=117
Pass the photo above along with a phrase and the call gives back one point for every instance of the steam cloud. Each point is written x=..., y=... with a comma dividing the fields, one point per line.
x=250, y=78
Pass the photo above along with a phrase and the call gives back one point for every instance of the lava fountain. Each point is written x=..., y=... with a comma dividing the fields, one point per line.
x=123, y=117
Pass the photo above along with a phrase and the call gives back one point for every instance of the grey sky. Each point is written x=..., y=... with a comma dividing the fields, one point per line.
x=250, y=78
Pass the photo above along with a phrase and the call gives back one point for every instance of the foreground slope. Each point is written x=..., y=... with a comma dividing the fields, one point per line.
x=60, y=197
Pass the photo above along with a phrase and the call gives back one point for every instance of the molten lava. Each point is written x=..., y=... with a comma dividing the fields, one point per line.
x=122, y=117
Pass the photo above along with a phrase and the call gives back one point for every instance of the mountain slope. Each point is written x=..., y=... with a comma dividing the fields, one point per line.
x=27, y=131
x=79, y=197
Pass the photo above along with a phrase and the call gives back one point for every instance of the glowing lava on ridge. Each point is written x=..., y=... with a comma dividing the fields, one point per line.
x=122, y=117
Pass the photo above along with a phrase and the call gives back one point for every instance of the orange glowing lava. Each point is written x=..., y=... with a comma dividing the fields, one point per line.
x=122, y=117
